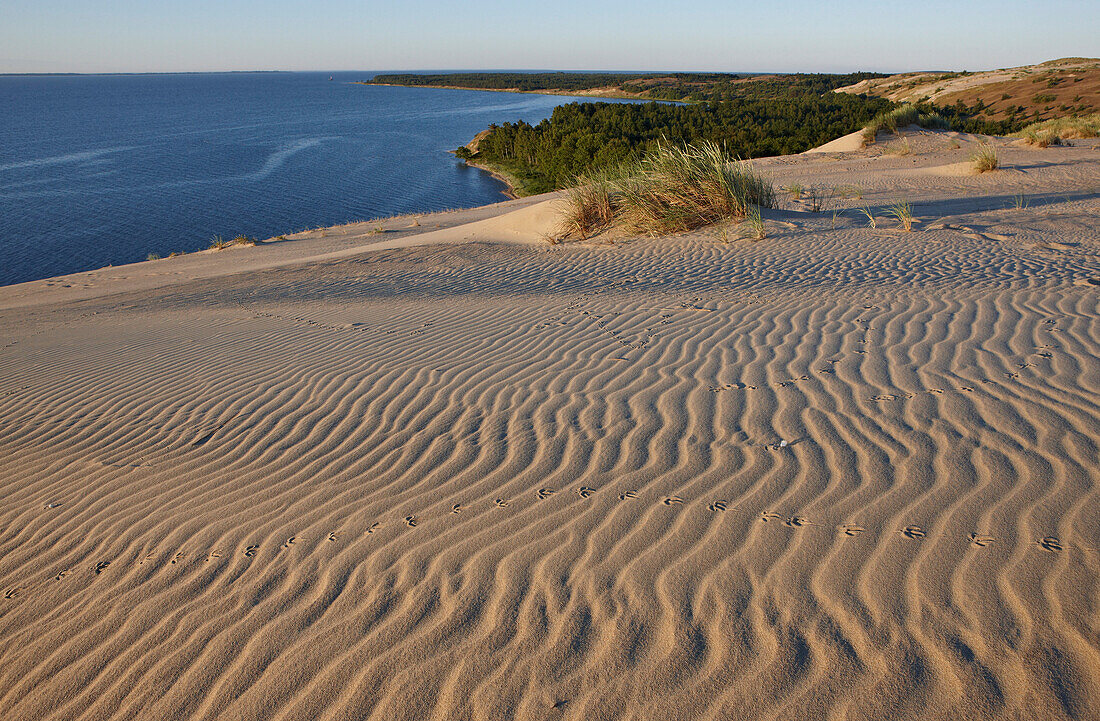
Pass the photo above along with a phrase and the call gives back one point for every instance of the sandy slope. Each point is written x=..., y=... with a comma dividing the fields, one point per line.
x=484, y=480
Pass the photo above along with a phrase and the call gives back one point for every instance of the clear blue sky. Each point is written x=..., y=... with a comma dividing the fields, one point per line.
x=843, y=35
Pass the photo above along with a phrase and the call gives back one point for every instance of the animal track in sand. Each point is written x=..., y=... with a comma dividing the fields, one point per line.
x=718, y=506
x=628, y=494
x=212, y=555
x=335, y=535
x=373, y=528
x=178, y=557
x=798, y=522
x=673, y=500
x=62, y=575
x=101, y=567
x=250, y=551
x=12, y=593
x=501, y=503
x=913, y=532
x=981, y=541
x=545, y=493
x=290, y=542
x=769, y=516
x=411, y=521
x=585, y=491
x=48, y=506
x=849, y=529
x=1050, y=543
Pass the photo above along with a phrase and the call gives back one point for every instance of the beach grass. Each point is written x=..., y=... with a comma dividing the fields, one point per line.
x=220, y=243
x=1054, y=131
x=904, y=214
x=672, y=189
x=985, y=159
x=891, y=120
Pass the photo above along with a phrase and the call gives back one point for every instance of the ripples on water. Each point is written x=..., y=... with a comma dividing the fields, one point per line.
x=100, y=170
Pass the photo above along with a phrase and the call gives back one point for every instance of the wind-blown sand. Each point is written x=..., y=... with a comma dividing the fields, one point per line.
x=445, y=477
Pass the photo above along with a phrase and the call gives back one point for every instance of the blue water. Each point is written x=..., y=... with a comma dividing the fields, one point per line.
x=102, y=170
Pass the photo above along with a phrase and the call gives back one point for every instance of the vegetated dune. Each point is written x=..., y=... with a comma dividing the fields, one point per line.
x=842, y=472
x=1046, y=90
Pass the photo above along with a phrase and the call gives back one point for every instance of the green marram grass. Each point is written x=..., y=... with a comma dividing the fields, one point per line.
x=891, y=121
x=673, y=189
x=985, y=159
x=1052, y=132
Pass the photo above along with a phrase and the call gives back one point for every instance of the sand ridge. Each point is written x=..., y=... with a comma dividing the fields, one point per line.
x=842, y=472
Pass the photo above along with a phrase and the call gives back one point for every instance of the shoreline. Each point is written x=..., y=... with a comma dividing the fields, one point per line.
x=512, y=184
x=514, y=189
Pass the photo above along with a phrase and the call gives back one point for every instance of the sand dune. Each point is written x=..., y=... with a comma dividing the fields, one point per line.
x=844, y=472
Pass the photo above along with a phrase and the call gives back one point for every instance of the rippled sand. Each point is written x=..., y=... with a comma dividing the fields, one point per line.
x=843, y=472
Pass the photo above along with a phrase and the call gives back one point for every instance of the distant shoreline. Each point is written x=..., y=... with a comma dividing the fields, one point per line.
x=562, y=93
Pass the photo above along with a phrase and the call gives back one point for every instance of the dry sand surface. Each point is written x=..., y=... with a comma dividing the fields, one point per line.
x=429, y=473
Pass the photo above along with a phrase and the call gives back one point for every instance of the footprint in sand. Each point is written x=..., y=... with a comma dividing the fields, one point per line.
x=673, y=501
x=51, y=505
x=101, y=567
x=12, y=593
x=545, y=493
x=212, y=555
x=585, y=491
x=912, y=532
x=411, y=521
x=62, y=575
x=1050, y=543
x=178, y=557
x=849, y=529
x=981, y=541
x=373, y=528
x=147, y=557
x=501, y=503
x=334, y=536
x=290, y=542
x=718, y=506
x=251, y=551
x=628, y=494
x=769, y=516
x=456, y=508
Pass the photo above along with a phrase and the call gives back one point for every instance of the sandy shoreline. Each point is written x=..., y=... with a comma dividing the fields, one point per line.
x=450, y=471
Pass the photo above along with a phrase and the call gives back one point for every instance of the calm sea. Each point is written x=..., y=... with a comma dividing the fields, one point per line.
x=101, y=170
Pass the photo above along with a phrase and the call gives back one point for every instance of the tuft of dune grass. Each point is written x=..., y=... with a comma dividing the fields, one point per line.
x=890, y=121
x=673, y=189
x=985, y=159
x=220, y=243
x=1054, y=131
